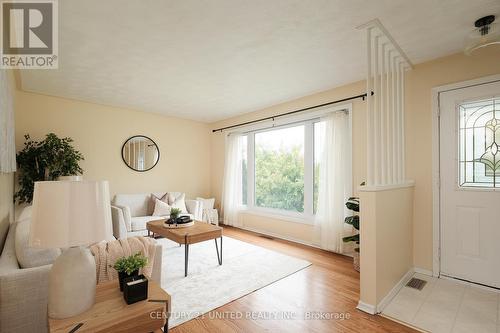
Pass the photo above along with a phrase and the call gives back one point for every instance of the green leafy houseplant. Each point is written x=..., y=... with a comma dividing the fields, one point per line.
x=174, y=213
x=129, y=266
x=353, y=204
x=48, y=159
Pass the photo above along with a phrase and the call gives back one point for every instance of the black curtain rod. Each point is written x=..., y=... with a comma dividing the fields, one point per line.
x=363, y=96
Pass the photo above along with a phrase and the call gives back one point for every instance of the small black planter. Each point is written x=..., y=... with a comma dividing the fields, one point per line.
x=123, y=275
x=135, y=289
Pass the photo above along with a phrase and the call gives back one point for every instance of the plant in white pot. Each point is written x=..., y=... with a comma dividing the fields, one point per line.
x=353, y=204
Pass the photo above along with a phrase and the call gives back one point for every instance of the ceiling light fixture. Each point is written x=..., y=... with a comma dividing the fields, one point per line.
x=486, y=33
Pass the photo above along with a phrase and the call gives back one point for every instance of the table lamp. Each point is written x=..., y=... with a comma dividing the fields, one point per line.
x=71, y=215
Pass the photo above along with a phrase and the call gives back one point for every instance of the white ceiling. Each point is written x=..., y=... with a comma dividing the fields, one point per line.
x=212, y=59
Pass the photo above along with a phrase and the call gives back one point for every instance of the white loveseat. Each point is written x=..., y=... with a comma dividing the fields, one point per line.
x=131, y=212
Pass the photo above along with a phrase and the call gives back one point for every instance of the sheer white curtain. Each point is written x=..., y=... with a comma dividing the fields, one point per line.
x=7, y=145
x=232, y=187
x=335, y=182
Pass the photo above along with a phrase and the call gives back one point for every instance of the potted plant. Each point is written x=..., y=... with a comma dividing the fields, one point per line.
x=129, y=266
x=353, y=204
x=174, y=214
x=48, y=159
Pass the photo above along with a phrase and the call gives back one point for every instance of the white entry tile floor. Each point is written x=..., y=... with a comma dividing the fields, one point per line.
x=447, y=306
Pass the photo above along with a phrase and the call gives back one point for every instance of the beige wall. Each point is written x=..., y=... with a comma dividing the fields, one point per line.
x=290, y=230
x=419, y=83
x=100, y=131
x=386, y=241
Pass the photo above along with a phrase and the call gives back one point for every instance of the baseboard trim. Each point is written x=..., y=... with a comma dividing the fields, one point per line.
x=290, y=239
x=272, y=234
x=365, y=307
x=368, y=308
x=394, y=291
x=423, y=271
x=371, y=309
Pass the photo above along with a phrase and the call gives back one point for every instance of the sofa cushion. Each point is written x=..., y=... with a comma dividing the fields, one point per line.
x=178, y=202
x=152, y=201
x=139, y=222
x=28, y=256
x=138, y=203
x=161, y=208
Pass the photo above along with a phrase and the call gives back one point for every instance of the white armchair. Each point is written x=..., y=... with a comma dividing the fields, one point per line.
x=131, y=212
x=209, y=213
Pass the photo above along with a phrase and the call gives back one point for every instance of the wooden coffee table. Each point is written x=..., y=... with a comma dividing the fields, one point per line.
x=197, y=233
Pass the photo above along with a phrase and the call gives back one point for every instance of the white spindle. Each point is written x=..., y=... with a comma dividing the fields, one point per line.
x=376, y=122
x=402, y=126
x=383, y=104
x=393, y=121
x=400, y=146
x=369, y=109
x=387, y=127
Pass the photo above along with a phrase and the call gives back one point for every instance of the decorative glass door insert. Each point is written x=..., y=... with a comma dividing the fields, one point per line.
x=479, y=140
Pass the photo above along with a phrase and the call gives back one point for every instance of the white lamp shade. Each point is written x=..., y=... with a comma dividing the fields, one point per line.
x=70, y=213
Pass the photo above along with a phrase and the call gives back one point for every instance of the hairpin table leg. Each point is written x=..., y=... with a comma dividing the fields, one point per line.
x=219, y=257
x=186, y=256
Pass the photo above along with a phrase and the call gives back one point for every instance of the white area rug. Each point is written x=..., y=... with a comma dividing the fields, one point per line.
x=245, y=268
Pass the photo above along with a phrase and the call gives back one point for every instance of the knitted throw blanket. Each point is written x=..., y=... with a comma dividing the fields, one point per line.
x=106, y=254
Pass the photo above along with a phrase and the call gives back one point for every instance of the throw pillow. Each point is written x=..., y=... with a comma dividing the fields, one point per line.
x=161, y=208
x=152, y=202
x=29, y=256
x=207, y=203
x=178, y=202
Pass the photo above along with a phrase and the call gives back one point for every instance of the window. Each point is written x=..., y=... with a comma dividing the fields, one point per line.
x=479, y=137
x=281, y=169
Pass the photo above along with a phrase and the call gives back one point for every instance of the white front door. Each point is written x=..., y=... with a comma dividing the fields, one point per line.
x=470, y=183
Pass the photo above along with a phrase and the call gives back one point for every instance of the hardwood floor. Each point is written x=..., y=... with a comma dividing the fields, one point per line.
x=329, y=286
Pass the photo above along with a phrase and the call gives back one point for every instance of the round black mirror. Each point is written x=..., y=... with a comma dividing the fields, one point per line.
x=140, y=153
